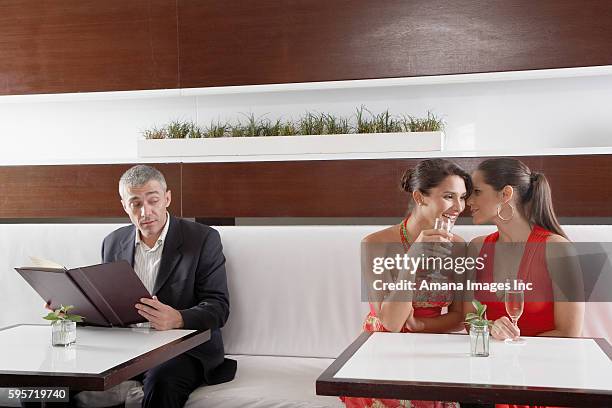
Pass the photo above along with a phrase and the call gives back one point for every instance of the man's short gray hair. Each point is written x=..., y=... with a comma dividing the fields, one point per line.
x=140, y=175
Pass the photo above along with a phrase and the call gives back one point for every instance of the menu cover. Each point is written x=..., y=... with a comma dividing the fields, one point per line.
x=103, y=294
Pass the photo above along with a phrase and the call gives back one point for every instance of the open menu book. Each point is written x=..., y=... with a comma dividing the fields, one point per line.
x=103, y=294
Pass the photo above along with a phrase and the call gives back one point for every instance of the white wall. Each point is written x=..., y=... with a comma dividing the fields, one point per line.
x=536, y=113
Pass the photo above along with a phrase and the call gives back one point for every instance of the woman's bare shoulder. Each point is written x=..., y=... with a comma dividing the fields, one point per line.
x=475, y=245
x=458, y=238
x=478, y=240
x=389, y=234
x=555, y=238
x=561, y=248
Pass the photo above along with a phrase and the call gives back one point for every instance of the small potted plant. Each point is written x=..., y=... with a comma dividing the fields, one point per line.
x=479, y=330
x=63, y=326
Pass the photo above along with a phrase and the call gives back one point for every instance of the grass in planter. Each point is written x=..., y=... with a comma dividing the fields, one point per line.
x=380, y=123
x=289, y=129
x=429, y=124
x=309, y=124
x=385, y=123
x=336, y=126
x=178, y=130
x=312, y=124
x=155, y=133
x=363, y=124
x=280, y=128
x=254, y=127
x=216, y=130
x=194, y=131
x=237, y=130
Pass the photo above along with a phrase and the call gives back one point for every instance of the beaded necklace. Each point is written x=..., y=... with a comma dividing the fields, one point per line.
x=404, y=234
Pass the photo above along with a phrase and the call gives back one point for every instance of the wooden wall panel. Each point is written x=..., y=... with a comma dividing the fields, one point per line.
x=582, y=187
x=71, y=190
x=86, y=45
x=342, y=188
x=279, y=41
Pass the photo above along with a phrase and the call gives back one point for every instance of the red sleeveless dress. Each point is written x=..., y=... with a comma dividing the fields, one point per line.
x=538, y=316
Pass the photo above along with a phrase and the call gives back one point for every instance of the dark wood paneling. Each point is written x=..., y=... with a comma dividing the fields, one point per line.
x=87, y=45
x=71, y=190
x=582, y=187
x=279, y=41
x=342, y=188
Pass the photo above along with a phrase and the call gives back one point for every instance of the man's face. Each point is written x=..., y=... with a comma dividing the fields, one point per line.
x=146, y=206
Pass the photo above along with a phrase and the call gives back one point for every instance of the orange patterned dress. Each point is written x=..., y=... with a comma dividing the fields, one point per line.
x=373, y=324
x=426, y=304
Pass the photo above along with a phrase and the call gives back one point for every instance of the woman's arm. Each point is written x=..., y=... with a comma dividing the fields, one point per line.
x=568, y=287
x=449, y=322
x=453, y=320
x=395, y=308
x=569, y=317
x=389, y=307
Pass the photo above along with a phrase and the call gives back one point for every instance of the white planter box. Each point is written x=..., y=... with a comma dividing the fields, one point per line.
x=297, y=145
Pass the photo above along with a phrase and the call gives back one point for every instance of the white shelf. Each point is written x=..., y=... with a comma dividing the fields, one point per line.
x=314, y=86
x=336, y=156
x=390, y=155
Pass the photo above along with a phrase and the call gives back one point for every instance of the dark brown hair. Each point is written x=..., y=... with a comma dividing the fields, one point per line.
x=532, y=187
x=429, y=173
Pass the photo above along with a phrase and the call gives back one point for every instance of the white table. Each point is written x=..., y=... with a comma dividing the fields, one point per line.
x=548, y=371
x=100, y=359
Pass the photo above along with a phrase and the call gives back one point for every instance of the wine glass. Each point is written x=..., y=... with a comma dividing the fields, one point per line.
x=515, y=302
x=442, y=224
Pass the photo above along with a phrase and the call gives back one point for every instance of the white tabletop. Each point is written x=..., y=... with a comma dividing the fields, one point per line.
x=28, y=348
x=444, y=358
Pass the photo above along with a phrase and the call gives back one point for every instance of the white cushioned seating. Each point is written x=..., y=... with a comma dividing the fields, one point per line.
x=294, y=292
x=268, y=382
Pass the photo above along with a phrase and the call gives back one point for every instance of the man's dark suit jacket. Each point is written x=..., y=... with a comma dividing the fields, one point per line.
x=191, y=279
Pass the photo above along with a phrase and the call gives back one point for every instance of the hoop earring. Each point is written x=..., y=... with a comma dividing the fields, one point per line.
x=499, y=210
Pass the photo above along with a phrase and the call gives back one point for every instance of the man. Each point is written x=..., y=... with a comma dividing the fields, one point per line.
x=182, y=264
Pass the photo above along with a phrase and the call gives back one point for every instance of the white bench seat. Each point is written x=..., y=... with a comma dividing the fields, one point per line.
x=294, y=291
x=268, y=382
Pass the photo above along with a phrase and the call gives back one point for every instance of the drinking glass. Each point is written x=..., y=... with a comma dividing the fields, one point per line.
x=515, y=302
x=442, y=224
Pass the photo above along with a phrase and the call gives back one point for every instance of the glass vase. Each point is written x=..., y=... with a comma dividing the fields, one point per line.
x=479, y=340
x=63, y=333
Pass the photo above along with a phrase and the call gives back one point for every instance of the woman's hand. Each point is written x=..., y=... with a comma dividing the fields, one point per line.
x=434, y=243
x=413, y=324
x=504, y=329
x=434, y=235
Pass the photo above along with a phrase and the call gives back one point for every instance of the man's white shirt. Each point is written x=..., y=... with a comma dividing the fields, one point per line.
x=146, y=260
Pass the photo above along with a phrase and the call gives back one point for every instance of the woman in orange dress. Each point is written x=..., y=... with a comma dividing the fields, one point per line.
x=518, y=202
x=438, y=188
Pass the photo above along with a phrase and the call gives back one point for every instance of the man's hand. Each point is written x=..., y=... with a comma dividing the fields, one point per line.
x=161, y=316
x=48, y=307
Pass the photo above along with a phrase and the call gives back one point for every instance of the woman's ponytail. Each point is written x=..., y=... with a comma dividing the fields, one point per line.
x=538, y=206
x=532, y=187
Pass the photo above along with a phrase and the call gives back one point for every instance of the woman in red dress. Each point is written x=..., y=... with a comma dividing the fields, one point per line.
x=438, y=188
x=518, y=202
